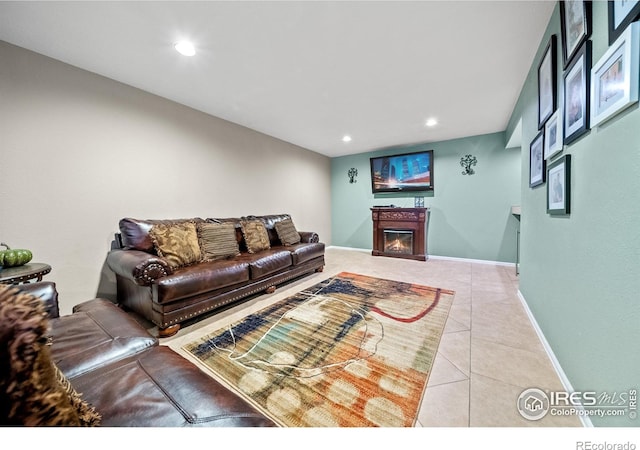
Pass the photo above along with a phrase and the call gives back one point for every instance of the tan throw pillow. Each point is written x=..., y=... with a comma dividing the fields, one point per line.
x=287, y=232
x=87, y=414
x=255, y=235
x=33, y=391
x=217, y=241
x=177, y=243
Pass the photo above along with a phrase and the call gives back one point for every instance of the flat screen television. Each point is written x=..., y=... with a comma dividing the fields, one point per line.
x=402, y=173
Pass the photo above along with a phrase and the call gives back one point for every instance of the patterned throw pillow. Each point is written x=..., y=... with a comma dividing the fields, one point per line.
x=87, y=414
x=287, y=232
x=217, y=241
x=255, y=235
x=33, y=392
x=177, y=243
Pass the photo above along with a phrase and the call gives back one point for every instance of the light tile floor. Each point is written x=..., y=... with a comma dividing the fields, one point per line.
x=489, y=352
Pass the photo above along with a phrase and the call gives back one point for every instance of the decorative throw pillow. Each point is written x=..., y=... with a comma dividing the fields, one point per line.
x=255, y=235
x=177, y=243
x=287, y=232
x=217, y=241
x=31, y=392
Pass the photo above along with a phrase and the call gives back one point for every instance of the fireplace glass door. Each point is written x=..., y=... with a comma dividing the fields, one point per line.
x=398, y=241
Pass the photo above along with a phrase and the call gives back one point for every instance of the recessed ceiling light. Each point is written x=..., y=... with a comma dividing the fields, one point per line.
x=346, y=138
x=431, y=122
x=185, y=48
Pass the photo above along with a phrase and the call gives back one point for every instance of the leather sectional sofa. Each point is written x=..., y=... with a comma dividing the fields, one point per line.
x=167, y=295
x=118, y=369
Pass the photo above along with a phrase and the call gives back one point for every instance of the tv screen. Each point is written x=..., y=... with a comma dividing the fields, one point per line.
x=401, y=173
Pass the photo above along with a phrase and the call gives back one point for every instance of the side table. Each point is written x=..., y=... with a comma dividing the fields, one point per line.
x=22, y=274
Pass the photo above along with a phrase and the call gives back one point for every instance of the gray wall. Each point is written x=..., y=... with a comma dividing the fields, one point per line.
x=79, y=151
x=470, y=215
x=580, y=274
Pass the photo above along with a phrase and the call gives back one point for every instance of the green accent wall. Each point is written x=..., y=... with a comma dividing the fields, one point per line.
x=580, y=274
x=470, y=215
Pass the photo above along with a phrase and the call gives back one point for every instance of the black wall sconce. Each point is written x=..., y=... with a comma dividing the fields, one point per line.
x=352, y=174
x=467, y=161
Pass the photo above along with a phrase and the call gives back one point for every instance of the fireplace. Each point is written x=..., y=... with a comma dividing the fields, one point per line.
x=400, y=232
x=398, y=241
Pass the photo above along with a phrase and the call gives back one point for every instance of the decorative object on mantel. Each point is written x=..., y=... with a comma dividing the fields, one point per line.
x=467, y=161
x=352, y=174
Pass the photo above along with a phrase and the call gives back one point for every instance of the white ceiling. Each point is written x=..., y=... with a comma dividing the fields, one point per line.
x=306, y=72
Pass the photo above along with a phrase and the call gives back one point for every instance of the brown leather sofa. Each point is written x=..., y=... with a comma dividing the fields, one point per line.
x=118, y=368
x=166, y=296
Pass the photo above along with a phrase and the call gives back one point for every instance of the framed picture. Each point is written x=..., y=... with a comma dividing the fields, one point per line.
x=547, y=82
x=558, y=186
x=575, y=25
x=621, y=14
x=576, y=95
x=614, y=79
x=553, y=135
x=536, y=161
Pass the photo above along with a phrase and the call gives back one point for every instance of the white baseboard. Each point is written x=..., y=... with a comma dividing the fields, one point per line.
x=365, y=250
x=475, y=261
x=586, y=421
x=444, y=258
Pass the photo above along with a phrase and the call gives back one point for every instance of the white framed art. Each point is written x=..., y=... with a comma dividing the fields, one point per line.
x=614, y=78
x=553, y=135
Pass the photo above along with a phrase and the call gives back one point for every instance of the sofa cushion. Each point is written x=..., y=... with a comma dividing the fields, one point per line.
x=287, y=232
x=97, y=333
x=217, y=241
x=267, y=262
x=301, y=253
x=200, y=278
x=255, y=235
x=177, y=243
x=160, y=388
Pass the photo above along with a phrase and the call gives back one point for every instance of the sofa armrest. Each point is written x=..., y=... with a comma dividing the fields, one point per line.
x=45, y=291
x=308, y=237
x=140, y=267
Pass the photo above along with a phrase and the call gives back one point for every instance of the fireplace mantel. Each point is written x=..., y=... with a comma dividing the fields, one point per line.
x=393, y=219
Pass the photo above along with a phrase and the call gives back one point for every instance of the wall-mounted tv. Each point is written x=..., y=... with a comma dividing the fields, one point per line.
x=402, y=173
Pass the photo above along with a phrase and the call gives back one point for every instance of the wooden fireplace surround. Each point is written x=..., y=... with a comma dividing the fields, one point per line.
x=409, y=219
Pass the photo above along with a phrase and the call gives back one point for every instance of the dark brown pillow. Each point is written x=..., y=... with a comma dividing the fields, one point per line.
x=255, y=235
x=217, y=241
x=31, y=392
x=177, y=243
x=287, y=232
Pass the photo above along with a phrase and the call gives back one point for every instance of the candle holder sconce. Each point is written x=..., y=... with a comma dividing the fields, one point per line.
x=352, y=174
x=467, y=162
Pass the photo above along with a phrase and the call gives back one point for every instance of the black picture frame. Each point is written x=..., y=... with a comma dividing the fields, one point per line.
x=547, y=82
x=559, y=186
x=628, y=14
x=577, y=85
x=537, y=163
x=575, y=27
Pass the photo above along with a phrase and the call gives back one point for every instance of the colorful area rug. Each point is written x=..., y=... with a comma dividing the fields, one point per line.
x=351, y=351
